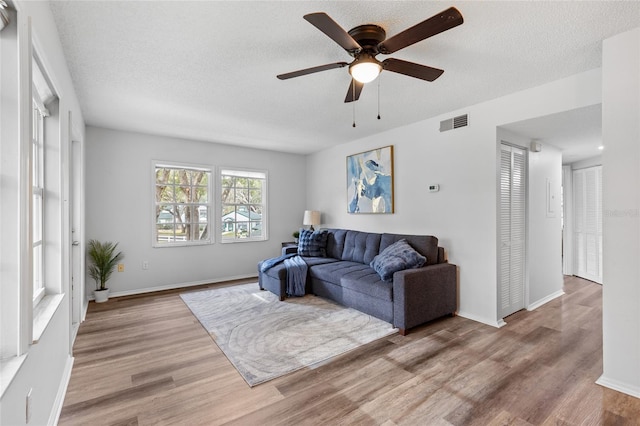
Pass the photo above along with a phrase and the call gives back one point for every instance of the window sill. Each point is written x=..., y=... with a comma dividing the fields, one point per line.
x=43, y=312
x=8, y=370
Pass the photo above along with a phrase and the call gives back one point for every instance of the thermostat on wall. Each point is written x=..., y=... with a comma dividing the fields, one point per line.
x=434, y=188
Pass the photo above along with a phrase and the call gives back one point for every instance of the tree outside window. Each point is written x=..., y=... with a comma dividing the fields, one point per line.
x=182, y=205
x=243, y=205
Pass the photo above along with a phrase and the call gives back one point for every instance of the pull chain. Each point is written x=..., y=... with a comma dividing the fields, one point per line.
x=378, y=98
x=353, y=101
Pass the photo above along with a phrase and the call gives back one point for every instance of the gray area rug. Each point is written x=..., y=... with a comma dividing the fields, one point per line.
x=265, y=338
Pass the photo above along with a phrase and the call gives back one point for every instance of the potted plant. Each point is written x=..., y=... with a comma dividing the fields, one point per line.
x=296, y=235
x=103, y=262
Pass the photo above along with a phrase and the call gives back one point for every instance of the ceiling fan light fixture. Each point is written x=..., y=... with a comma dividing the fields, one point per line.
x=365, y=69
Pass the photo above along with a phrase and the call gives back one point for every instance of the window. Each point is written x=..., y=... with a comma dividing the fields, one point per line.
x=244, y=205
x=37, y=205
x=182, y=205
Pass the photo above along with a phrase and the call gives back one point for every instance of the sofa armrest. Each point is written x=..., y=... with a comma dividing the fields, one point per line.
x=423, y=294
x=289, y=250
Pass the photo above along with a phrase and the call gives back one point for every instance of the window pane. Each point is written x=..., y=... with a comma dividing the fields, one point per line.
x=243, y=205
x=255, y=196
x=165, y=194
x=227, y=195
x=240, y=196
x=256, y=229
x=182, y=211
x=201, y=194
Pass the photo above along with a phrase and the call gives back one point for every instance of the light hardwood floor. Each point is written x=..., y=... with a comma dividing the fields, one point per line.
x=146, y=360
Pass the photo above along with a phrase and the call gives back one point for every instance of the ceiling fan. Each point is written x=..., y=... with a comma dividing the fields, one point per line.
x=365, y=42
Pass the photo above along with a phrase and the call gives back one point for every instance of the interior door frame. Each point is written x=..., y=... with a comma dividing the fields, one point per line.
x=575, y=268
x=76, y=259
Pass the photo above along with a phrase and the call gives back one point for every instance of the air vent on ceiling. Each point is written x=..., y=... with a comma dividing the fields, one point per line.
x=454, y=123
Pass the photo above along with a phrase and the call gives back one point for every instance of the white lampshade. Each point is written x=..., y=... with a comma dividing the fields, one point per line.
x=365, y=72
x=311, y=217
x=365, y=69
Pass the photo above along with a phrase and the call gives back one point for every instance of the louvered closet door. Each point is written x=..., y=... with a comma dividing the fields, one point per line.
x=512, y=229
x=587, y=207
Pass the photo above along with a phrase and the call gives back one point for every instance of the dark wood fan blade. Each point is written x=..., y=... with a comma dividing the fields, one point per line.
x=312, y=70
x=438, y=23
x=411, y=69
x=354, y=95
x=335, y=32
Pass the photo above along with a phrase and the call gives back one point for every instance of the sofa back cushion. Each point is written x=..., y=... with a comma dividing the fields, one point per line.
x=361, y=246
x=335, y=242
x=426, y=245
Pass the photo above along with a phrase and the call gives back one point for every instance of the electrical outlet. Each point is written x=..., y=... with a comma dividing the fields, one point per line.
x=145, y=264
x=120, y=267
x=27, y=410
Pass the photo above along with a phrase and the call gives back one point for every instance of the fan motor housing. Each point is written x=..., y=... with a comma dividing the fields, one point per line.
x=368, y=36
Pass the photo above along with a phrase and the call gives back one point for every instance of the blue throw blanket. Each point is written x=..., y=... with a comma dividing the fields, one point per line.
x=296, y=272
x=270, y=263
x=296, y=276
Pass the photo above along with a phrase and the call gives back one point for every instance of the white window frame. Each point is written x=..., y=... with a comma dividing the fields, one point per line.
x=208, y=204
x=246, y=173
x=38, y=202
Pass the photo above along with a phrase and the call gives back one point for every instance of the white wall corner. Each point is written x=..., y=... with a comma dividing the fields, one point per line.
x=535, y=305
x=619, y=386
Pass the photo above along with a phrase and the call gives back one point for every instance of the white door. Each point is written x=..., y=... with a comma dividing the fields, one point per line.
x=74, y=191
x=587, y=222
x=513, y=184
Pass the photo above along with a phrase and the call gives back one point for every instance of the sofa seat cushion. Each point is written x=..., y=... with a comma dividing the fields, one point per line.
x=280, y=271
x=354, y=276
x=276, y=271
x=313, y=261
x=368, y=283
x=334, y=271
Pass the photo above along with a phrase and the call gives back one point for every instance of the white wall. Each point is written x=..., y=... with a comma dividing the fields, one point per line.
x=119, y=204
x=47, y=365
x=463, y=162
x=621, y=224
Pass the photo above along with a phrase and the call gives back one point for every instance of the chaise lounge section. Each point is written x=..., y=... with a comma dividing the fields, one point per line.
x=408, y=297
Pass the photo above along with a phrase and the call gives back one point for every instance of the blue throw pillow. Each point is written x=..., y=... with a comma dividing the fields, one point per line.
x=313, y=243
x=397, y=257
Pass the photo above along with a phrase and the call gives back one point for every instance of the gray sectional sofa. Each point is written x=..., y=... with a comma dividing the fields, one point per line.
x=412, y=297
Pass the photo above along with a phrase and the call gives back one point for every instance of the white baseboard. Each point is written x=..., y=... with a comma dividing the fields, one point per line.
x=619, y=386
x=492, y=323
x=535, y=305
x=175, y=286
x=62, y=391
x=85, y=308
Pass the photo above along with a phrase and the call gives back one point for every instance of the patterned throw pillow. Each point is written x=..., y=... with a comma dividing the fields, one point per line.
x=312, y=243
x=397, y=257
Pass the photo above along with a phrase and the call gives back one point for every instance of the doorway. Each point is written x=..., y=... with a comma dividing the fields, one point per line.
x=513, y=219
x=587, y=223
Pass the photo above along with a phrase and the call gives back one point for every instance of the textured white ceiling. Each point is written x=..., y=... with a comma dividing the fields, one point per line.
x=206, y=70
x=577, y=133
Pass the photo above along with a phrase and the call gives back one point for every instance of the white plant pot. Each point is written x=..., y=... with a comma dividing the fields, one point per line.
x=101, y=295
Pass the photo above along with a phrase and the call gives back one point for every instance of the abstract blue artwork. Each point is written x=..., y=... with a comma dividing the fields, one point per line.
x=370, y=181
